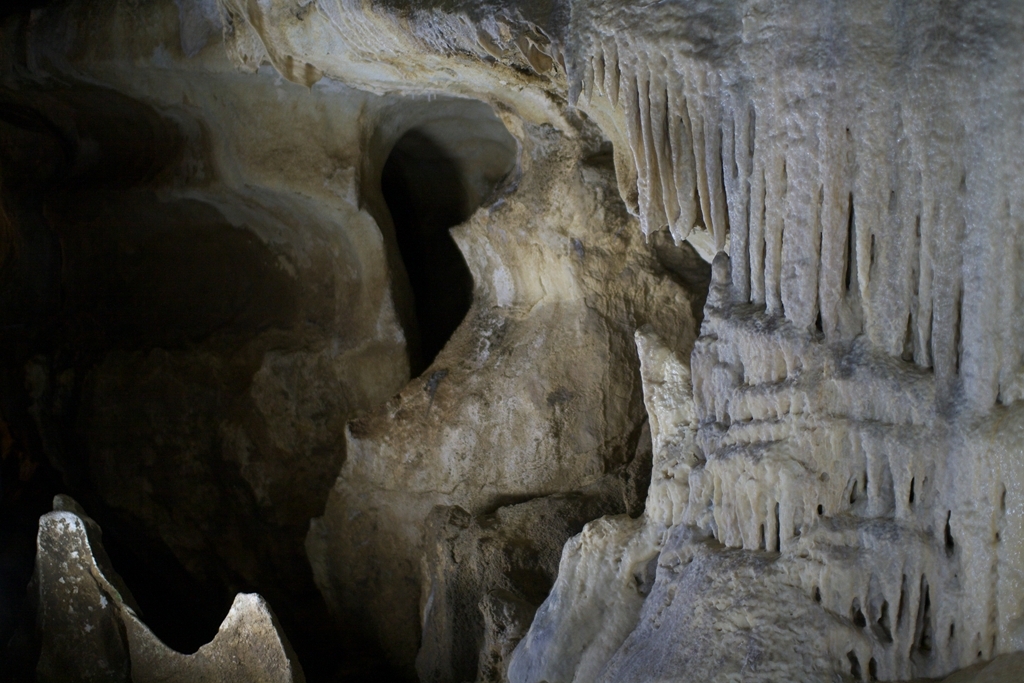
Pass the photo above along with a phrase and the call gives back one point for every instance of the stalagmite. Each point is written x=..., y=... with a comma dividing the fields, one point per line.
x=91, y=629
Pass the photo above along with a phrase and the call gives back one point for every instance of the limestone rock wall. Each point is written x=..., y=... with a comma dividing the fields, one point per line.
x=850, y=352
x=222, y=444
x=224, y=314
x=504, y=413
x=830, y=558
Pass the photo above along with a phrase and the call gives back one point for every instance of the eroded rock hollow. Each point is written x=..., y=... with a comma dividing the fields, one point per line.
x=580, y=340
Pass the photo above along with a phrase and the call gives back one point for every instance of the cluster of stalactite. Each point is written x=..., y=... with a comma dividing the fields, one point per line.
x=859, y=188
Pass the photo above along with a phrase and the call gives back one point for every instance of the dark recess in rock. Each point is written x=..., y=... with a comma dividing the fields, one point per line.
x=423, y=189
x=487, y=575
x=434, y=178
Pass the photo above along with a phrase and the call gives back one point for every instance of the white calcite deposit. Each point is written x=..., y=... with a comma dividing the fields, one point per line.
x=842, y=488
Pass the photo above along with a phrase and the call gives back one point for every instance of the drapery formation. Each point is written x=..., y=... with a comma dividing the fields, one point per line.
x=860, y=164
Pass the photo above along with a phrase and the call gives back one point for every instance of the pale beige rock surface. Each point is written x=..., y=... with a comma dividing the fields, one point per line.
x=485, y=576
x=554, y=269
x=248, y=647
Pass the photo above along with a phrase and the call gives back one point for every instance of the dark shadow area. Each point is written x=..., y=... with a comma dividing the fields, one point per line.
x=183, y=612
x=95, y=263
x=424, y=190
x=686, y=268
x=10, y=8
x=135, y=274
x=447, y=161
x=141, y=273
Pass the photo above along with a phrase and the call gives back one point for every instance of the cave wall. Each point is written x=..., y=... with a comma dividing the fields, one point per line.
x=221, y=314
x=833, y=426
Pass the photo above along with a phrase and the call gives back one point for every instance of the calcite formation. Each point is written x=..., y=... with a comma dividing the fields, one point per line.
x=729, y=387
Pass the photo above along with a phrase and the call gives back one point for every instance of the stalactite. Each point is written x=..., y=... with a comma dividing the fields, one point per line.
x=683, y=164
x=775, y=223
x=774, y=190
x=738, y=152
x=660, y=122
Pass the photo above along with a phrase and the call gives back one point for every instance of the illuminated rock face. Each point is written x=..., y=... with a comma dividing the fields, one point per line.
x=852, y=348
x=835, y=433
x=91, y=629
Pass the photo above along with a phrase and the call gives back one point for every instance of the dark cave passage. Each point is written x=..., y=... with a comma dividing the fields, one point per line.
x=435, y=177
x=424, y=192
